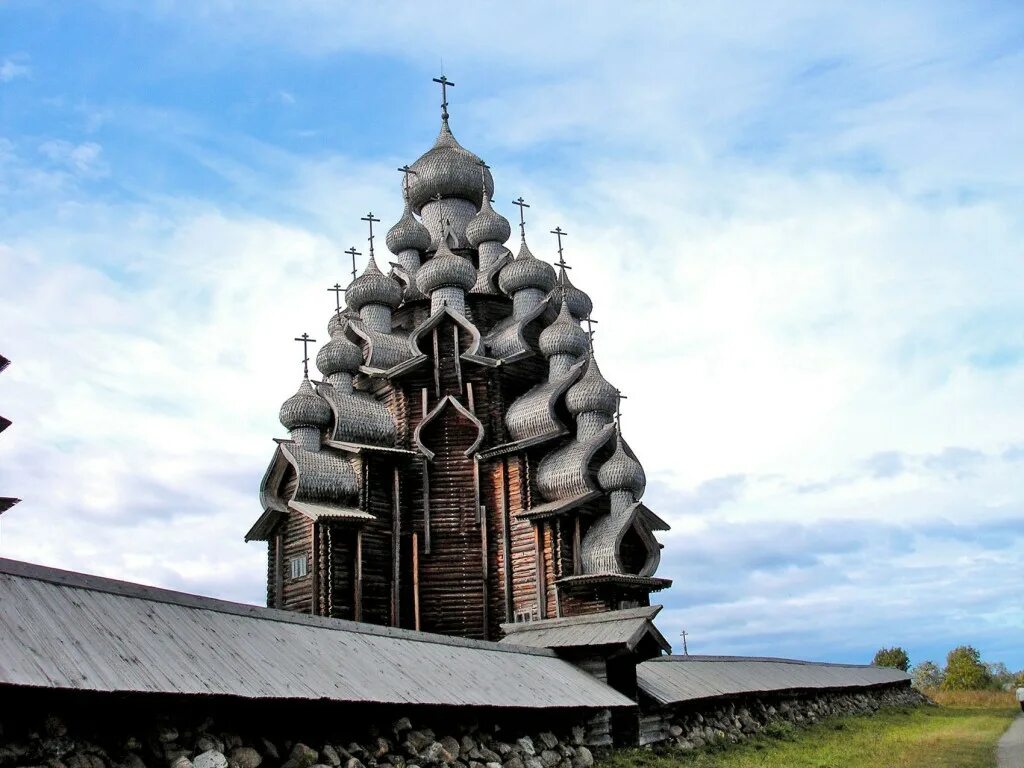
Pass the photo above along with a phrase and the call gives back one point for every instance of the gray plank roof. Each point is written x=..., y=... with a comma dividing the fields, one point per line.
x=624, y=627
x=67, y=630
x=674, y=679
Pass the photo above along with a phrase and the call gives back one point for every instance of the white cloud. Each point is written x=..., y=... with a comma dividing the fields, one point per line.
x=12, y=70
x=83, y=159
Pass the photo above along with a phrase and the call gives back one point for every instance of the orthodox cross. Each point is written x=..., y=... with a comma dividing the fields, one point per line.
x=683, y=634
x=522, y=216
x=353, y=253
x=405, y=169
x=306, y=341
x=590, y=330
x=337, y=290
x=619, y=397
x=445, y=84
x=370, y=218
x=557, y=232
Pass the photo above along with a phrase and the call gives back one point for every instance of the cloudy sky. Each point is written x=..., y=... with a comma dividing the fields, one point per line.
x=802, y=231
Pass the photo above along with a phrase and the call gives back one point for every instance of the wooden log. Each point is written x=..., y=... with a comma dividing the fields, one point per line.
x=396, y=549
x=416, y=580
x=358, y=596
x=506, y=541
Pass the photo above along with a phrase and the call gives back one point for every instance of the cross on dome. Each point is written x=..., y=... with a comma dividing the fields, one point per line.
x=370, y=218
x=353, y=253
x=522, y=215
x=560, y=233
x=306, y=341
x=337, y=290
x=445, y=85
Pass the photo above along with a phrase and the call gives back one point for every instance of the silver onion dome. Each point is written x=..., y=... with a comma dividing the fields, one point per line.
x=622, y=472
x=564, y=336
x=449, y=170
x=408, y=233
x=445, y=270
x=592, y=392
x=305, y=409
x=488, y=226
x=579, y=302
x=339, y=355
x=526, y=271
x=373, y=287
x=339, y=320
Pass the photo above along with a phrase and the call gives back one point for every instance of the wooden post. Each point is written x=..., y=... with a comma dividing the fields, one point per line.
x=458, y=360
x=416, y=580
x=437, y=367
x=542, y=598
x=426, y=506
x=314, y=571
x=358, y=610
x=506, y=543
x=396, y=551
x=576, y=565
x=484, y=570
x=278, y=570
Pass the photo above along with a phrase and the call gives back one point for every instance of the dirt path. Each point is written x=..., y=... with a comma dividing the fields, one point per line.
x=1010, y=752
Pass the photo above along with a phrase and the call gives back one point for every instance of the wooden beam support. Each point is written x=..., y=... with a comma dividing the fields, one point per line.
x=396, y=551
x=416, y=580
x=577, y=568
x=506, y=543
x=484, y=572
x=437, y=366
x=426, y=506
x=458, y=360
x=314, y=571
x=538, y=546
x=278, y=570
x=358, y=602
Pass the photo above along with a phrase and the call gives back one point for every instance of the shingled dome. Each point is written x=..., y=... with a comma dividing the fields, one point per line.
x=564, y=336
x=488, y=226
x=579, y=302
x=339, y=355
x=593, y=392
x=408, y=234
x=449, y=170
x=526, y=271
x=622, y=472
x=373, y=287
x=305, y=409
x=445, y=270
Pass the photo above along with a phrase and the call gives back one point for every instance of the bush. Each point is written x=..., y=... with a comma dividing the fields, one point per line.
x=964, y=670
x=927, y=675
x=895, y=658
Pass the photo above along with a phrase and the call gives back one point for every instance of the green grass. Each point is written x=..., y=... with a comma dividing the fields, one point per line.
x=932, y=737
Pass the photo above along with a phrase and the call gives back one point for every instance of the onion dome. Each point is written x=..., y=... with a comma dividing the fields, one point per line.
x=305, y=409
x=373, y=287
x=564, y=336
x=339, y=320
x=592, y=392
x=488, y=226
x=526, y=271
x=339, y=355
x=409, y=233
x=579, y=303
x=445, y=270
x=449, y=170
x=622, y=472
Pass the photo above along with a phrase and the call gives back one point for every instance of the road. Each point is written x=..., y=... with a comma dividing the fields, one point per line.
x=1010, y=752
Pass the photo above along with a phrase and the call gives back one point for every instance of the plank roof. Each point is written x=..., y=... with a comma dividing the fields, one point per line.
x=67, y=630
x=624, y=627
x=675, y=679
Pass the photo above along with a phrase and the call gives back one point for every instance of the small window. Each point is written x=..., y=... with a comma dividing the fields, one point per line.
x=524, y=616
x=299, y=567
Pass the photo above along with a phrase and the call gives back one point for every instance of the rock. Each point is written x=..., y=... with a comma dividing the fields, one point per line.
x=548, y=740
x=330, y=756
x=550, y=758
x=130, y=760
x=181, y=762
x=173, y=751
x=492, y=765
x=210, y=759
x=525, y=745
x=452, y=747
x=206, y=743
x=301, y=756
x=435, y=753
x=416, y=741
x=467, y=745
x=584, y=757
x=269, y=750
x=353, y=762
x=401, y=725
x=488, y=755
x=245, y=757
x=381, y=747
x=503, y=748
x=533, y=762
x=54, y=726
x=514, y=762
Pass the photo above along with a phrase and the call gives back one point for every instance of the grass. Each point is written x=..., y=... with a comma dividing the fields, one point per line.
x=959, y=734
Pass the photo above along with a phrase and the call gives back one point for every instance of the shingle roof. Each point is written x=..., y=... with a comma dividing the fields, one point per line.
x=673, y=679
x=625, y=627
x=68, y=630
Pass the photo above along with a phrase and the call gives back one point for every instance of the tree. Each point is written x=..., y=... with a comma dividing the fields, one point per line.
x=1000, y=677
x=927, y=675
x=894, y=657
x=964, y=670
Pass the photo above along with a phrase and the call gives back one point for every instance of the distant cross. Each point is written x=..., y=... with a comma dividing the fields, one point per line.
x=557, y=232
x=337, y=290
x=484, y=167
x=619, y=397
x=370, y=218
x=522, y=216
x=306, y=341
x=590, y=330
x=445, y=85
x=405, y=169
x=686, y=651
x=353, y=253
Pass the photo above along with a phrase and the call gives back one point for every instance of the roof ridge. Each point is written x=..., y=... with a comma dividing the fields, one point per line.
x=133, y=590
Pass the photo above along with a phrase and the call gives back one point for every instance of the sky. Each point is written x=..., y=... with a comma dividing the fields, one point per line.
x=800, y=224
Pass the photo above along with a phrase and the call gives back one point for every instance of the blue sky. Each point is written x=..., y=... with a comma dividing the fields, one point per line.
x=801, y=229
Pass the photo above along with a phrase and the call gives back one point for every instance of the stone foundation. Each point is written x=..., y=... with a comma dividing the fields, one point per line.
x=708, y=722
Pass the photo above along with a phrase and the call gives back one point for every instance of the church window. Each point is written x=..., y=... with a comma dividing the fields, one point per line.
x=299, y=567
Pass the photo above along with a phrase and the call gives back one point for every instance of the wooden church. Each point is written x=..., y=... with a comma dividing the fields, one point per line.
x=460, y=465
